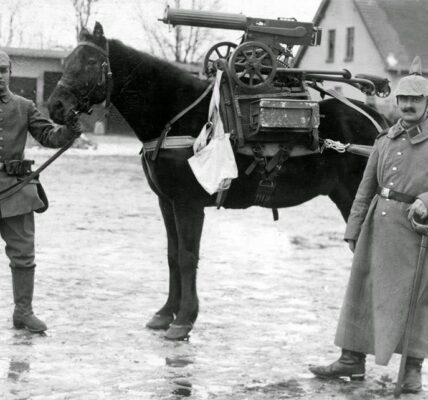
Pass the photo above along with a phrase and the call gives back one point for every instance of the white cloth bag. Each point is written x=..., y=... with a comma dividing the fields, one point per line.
x=214, y=164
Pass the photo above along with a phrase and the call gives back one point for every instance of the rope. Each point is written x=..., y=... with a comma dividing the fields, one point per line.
x=334, y=145
x=358, y=149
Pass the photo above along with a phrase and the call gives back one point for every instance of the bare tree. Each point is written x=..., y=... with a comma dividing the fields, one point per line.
x=187, y=44
x=83, y=10
x=10, y=12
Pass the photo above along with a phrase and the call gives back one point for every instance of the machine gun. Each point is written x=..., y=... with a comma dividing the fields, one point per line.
x=266, y=43
x=262, y=61
x=264, y=99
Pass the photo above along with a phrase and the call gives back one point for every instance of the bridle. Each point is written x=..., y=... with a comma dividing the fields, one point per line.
x=103, y=78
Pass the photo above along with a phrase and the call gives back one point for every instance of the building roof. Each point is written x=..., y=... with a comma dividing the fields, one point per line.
x=35, y=53
x=61, y=54
x=398, y=29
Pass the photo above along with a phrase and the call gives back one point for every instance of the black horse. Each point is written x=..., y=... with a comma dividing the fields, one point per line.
x=148, y=92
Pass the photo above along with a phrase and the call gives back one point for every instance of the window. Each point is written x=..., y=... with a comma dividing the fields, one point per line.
x=350, y=35
x=25, y=87
x=331, y=45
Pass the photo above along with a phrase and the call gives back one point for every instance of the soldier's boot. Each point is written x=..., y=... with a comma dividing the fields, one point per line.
x=412, y=382
x=23, y=288
x=350, y=364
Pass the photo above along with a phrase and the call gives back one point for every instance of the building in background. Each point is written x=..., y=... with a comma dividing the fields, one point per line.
x=35, y=72
x=379, y=37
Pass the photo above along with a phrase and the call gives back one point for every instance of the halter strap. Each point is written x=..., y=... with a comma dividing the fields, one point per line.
x=108, y=74
x=95, y=46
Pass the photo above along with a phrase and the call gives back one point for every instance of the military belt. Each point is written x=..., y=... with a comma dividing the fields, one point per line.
x=388, y=193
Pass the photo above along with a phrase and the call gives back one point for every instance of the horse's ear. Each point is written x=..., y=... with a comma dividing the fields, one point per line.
x=98, y=30
x=99, y=34
x=84, y=35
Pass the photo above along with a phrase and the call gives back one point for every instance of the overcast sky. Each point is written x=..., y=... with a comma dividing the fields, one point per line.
x=46, y=23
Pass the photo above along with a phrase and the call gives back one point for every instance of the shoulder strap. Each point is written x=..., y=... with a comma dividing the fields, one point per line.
x=383, y=133
x=346, y=101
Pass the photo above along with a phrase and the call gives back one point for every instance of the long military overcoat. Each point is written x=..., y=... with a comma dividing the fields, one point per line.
x=17, y=117
x=376, y=303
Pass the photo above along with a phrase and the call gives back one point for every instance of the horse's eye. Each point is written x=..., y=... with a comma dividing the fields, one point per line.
x=92, y=61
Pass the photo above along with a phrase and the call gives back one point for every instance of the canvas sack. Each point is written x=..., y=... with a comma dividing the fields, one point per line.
x=213, y=163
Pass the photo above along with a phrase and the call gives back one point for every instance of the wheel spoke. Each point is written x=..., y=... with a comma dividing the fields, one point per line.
x=262, y=57
x=251, y=80
x=242, y=74
x=258, y=73
x=247, y=56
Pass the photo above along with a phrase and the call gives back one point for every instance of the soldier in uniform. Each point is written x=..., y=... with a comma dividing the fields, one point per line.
x=393, y=189
x=17, y=117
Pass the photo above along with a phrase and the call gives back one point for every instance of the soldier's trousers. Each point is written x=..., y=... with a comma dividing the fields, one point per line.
x=18, y=234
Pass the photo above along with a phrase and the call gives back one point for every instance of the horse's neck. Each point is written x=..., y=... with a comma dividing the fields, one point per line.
x=148, y=92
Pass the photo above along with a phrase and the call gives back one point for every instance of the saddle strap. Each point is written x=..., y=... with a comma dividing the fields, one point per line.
x=267, y=184
x=347, y=102
x=170, y=142
x=168, y=126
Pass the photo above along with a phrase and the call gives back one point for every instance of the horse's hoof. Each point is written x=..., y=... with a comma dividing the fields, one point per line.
x=178, y=332
x=159, y=321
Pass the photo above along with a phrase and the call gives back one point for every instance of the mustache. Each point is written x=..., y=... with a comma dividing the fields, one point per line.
x=409, y=109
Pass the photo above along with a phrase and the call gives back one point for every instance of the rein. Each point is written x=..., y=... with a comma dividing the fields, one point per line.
x=4, y=194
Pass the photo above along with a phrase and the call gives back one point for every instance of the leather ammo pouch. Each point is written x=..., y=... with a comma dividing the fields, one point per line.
x=18, y=167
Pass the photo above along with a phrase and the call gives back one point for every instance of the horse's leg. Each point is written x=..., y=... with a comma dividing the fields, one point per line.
x=341, y=196
x=189, y=220
x=163, y=318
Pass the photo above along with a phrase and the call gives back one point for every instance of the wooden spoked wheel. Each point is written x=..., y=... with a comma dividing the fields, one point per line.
x=221, y=50
x=253, y=65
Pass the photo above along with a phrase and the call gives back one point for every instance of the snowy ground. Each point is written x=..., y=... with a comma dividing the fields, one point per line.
x=270, y=295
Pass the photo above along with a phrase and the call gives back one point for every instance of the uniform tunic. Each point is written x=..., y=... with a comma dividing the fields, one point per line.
x=17, y=117
x=377, y=300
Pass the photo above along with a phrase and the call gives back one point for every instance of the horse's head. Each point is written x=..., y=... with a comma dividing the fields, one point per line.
x=86, y=78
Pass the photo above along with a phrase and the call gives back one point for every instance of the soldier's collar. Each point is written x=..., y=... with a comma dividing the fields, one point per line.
x=6, y=96
x=416, y=134
x=396, y=130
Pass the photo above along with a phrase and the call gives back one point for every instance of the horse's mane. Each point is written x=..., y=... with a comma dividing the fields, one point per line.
x=150, y=91
x=154, y=66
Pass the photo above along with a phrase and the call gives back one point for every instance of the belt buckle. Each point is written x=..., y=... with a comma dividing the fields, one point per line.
x=385, y=192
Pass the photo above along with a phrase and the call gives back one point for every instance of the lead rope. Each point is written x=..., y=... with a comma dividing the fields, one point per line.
x=333, y=145
x=358, y=149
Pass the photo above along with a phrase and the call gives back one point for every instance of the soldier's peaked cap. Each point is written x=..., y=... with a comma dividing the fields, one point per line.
x=414, y=84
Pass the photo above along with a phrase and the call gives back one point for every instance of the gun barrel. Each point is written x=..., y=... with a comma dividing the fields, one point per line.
x=206, y=19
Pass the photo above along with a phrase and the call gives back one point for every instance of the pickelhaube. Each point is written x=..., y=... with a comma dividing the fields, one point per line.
x=4, y=58
x=414, y=84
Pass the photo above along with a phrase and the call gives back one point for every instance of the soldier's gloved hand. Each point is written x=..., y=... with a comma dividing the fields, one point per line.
x=351, y=244
x=418, y=208
x=73, y=124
